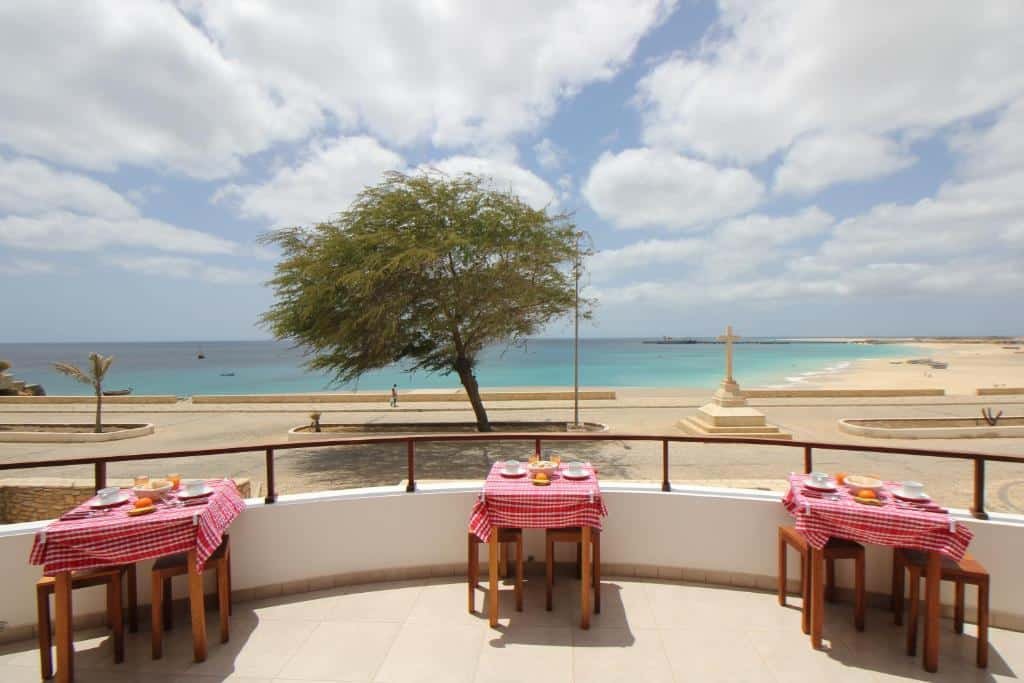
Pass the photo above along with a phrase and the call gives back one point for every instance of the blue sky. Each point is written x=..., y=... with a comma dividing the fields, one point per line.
x=791, y=168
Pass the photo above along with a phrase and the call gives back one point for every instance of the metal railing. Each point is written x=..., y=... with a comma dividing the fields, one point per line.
x=100, y=462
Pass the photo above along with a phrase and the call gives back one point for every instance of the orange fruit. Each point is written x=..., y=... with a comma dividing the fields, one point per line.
x=143, y=502
x=866, y=493
x=541, y=476
x=841, y=478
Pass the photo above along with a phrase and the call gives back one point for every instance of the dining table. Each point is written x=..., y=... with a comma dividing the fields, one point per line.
x=95, y=534
x=890, y=521
x=515, y=501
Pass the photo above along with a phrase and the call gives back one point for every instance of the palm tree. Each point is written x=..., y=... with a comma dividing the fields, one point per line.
x=98, y=366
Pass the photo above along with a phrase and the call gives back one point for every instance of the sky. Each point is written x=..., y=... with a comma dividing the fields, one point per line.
x=789, y=167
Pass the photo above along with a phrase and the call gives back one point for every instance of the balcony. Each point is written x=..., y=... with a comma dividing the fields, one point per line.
x=366, y=584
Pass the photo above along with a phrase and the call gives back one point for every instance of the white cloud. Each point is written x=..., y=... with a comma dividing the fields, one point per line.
x=775, y=70
x=183, y=269
x=65, y=231
x=549, y=155
x=28, y=187
x=504, y=175
x=324, y=183
x=100, y=84
x=817, y=161
x=453, y=74
x=996, y=150
x=640, y=188
x=735, y=247
x=25, y=267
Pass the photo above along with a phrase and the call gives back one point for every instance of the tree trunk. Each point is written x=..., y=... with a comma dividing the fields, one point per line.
x=99, y=407
x=464, y=367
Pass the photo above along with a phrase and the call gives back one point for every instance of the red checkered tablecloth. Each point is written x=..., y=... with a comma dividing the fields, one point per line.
x=516, y=502
x=896, y=524
x=111, y=536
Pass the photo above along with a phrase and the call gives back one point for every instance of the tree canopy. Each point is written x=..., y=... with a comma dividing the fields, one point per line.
x=424, y=269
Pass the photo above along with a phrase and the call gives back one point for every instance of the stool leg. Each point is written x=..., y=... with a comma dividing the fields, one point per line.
x=805, y=594
x=830, y=580
x=472, y=570
x=782, y=569
x=579, y=560
x=519, y=574
x=958, y=607
x=222, y=599
x=597, y=571
x=858, y=591
x=168, y=598
x=160, y=604
x=898, y=588
x=549, y=561
x=983, y=623
x=231, y=602
x=116, y=615
x=915, y=600
x=503, y=565
x=133, y=599
x=44, y=627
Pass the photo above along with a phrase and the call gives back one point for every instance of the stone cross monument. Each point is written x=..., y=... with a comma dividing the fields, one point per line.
x=728, y=393
x=728, y=413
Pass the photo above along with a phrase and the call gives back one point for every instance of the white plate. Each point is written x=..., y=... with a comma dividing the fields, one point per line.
x=902, y=495
x=183, y=495
x=122, y=497
x=568, y=475
x=829, y=487
x=506, y=473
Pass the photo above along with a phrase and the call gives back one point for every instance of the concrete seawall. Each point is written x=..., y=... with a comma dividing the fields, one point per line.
x=425, y=397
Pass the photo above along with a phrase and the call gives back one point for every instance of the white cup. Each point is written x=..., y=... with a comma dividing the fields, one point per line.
x=193, y=486
x=109, y=494
x=575, y=467
x=512, y=466
x=819, y=478
x=913, y=489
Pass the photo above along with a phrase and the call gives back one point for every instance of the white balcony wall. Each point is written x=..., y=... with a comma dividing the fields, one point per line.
x=719, y=534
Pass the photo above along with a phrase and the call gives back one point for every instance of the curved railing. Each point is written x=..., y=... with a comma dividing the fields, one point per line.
x=100, y=462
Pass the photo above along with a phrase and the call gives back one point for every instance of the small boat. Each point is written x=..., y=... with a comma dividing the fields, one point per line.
x=227, y=374
x=199, y=353
x=117, y=392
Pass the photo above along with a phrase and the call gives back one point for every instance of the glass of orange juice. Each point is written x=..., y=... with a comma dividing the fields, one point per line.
x=141, y=481
x=556, y=458
x=175, y=480
x=534, y=457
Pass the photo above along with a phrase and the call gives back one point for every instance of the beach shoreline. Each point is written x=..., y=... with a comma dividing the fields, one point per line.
x=971, y=366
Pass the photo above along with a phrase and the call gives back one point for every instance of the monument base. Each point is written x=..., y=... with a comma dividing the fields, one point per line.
x=715, y=419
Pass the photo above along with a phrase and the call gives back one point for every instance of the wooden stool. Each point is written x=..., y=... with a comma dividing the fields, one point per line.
x=170, y=566
x=573, y=535
x=835, y=549
x=968, y=571
x=506, y=536
x=112, y=578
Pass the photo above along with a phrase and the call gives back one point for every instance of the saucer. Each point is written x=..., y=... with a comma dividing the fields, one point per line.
x=828, y=488
x=582, y=474
x=183, y=495
x=120, y=498
x=505, y=473
x=902, y=495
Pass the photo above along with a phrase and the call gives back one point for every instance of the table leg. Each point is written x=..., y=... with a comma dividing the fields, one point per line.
x=931, y=613
x=492, y=572
x=196, y=600
x=65, y=643
x=585, y=578
x=817, y=595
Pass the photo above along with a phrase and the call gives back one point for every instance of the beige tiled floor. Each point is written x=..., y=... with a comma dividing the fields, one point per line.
x=421, y=631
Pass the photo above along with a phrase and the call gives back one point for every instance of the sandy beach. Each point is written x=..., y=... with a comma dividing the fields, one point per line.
x=971, y=366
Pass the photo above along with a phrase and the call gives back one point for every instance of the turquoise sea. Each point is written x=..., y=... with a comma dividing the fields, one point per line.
x=264, y=367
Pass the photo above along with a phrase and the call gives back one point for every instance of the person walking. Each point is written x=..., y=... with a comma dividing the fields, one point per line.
x=394, y=395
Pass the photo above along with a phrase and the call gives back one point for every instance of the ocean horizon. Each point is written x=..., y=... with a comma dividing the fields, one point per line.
x=268, y=367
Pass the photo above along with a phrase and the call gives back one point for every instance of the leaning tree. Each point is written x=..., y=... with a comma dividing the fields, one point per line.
x=425, y=270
